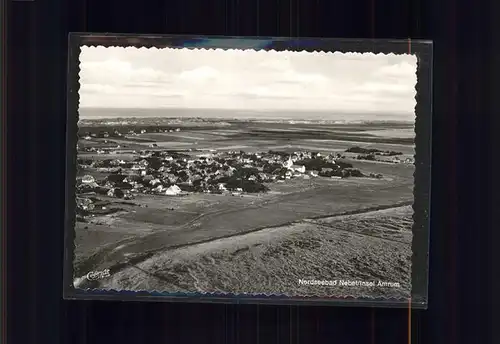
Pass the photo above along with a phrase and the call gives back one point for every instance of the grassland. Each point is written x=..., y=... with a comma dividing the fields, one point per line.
x=373, y=246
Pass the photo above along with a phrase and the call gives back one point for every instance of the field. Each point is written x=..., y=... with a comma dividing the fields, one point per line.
x=370, y=246
x=321, y=228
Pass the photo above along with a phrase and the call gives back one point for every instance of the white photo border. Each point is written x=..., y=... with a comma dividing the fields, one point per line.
x=422, y=175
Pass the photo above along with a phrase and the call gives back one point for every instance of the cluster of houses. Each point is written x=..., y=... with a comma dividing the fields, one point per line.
x=89, y=135
x=375, y=154
x=394, y=160
x=409, y=161
x=96, y=150
x=173, y=173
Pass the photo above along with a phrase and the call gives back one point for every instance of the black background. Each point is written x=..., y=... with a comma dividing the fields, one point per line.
x=34, y=105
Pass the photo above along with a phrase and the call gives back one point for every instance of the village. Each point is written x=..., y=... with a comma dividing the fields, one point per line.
x=175, y=173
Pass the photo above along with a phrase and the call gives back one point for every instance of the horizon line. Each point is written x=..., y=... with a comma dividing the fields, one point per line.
x=249, y=119
x=252, y=110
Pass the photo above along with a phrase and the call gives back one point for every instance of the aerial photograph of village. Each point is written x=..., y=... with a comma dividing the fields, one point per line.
x=245, y=172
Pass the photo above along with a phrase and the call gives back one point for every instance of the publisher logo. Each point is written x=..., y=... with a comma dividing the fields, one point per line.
x=98, y=275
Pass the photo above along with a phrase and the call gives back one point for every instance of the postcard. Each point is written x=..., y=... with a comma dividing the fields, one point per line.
x=241, y=172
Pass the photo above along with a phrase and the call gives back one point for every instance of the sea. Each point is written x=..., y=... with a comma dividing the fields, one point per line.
x=228, y=114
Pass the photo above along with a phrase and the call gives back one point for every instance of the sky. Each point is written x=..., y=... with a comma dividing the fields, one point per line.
x=117, y=77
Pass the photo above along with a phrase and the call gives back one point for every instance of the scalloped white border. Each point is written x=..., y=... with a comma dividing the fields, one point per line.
x=291, y=297
x=253, y=51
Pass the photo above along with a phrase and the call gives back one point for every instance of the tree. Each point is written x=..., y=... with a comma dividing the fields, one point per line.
x=154, y=162
x=115, y=178
x=354, y=173
x=118, y=193
x=360, y=150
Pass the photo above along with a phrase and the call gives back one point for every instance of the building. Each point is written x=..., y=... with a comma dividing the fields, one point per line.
x=298, y=168
x=289, y=163
x=88, y=179
x=173, y=190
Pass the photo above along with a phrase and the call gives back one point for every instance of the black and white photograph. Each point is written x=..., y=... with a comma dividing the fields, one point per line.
x=245, y=172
